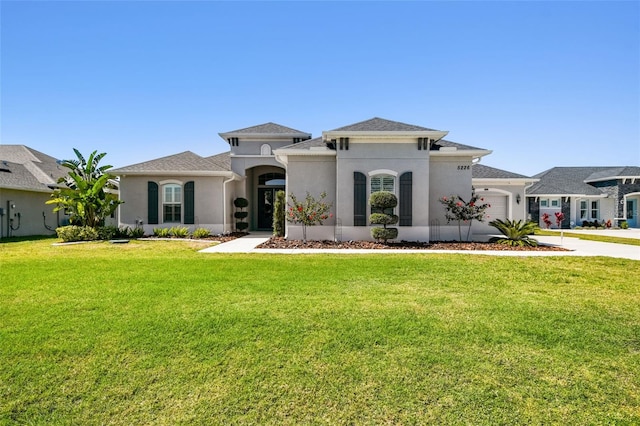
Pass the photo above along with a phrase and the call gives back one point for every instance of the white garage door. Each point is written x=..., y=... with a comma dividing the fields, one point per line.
x=498, y=210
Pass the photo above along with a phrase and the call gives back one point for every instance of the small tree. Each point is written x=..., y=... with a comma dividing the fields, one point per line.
x=462, y=211
x=279, y=219
x=241, y=203
x=546, y=220
x=308, y=212
x=90, y=195
x=382, y=204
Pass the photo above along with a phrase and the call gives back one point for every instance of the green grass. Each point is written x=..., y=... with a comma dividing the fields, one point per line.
x=156, y=333
x=591, y=237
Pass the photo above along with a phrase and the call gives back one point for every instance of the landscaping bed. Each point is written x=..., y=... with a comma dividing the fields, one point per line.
x=281, y=243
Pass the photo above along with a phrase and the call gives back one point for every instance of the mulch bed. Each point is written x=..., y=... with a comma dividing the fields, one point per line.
x=281, y=243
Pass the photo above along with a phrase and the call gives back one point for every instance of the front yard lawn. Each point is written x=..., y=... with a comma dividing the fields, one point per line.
x=156, y=333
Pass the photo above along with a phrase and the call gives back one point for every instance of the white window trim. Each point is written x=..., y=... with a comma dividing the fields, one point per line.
x=163, y=202
x=170, y=181
x=383, y=172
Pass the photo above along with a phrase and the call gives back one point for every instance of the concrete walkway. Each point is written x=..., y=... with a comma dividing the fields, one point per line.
x=576, y=246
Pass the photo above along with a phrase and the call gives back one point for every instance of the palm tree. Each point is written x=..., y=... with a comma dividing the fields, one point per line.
x=516, y=233
x=89, y=195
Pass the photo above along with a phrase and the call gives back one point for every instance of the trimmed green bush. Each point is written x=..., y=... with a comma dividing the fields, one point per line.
x=383, y=200
x=161, y=232
x=201, y=233
x=179, y=231
x=241, y=203
x=107, y=232
x=137, y=232
x=382, y=204
x=73, y=233
x=624, y=225
x=279, y=215
x=384, y=233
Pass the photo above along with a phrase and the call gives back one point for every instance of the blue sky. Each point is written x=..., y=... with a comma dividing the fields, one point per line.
x=542, y=84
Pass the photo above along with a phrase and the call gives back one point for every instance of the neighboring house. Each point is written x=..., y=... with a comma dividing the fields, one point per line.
x=586, y=194
x=27, y=179
x=348, y=163
x=504, y=191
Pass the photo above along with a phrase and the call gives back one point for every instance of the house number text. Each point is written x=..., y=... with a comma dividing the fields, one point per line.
x=467, y=167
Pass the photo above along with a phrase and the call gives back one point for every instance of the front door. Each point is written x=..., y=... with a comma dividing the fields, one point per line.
x=266, y=198
x=632, y=213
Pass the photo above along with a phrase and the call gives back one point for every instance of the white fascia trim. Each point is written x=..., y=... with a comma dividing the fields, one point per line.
x=252, y=155
x=475, y=153
x=503, y=181
x=623, y=178
x=435, y=135
x=179, y=173
x=282, y=155
x=565, y=196
x=263, y=135
x=46, y=190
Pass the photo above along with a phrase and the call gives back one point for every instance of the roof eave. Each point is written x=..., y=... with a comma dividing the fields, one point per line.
x=177, y=173
x=475, y=153
x=436, y=135
x=263, y=135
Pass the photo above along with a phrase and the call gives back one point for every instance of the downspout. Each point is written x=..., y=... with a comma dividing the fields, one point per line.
x=224, y=198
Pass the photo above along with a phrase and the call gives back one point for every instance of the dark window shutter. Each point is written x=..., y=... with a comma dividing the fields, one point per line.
x=152, y=203
x=189, y=196
x=406, y=198
x=359, y=199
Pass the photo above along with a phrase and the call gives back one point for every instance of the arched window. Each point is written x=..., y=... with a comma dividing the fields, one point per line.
x=172, y=203
x=383, y=182
x=265, y=149
x=272, y=179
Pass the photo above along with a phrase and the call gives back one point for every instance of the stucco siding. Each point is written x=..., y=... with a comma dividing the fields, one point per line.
x=29, y=206
x=208, y=201
x=312, y=174
x=447, y=176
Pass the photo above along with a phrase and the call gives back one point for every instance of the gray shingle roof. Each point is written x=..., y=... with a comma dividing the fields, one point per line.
x=315, y=142
x=27, y=169
x=614, y=172
x=377, y=124
x=445, y=143
x=480, y=171
x=183, y=162
x=268, y=128
x=571, y=180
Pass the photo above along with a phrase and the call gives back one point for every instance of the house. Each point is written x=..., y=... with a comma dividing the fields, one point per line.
x=27, y=179
x=586, y=194
x=416, y=163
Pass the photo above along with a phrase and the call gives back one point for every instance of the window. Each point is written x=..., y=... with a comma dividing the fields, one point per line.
x=630, y=209
x=272, y=179
x=550, y=202
x=583, y=209
x=382, y=183
x=544, y=203
x=171, y=203
x=594, y=209
x=555, y=202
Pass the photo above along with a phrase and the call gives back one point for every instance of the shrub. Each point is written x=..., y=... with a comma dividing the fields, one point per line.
x=241, y=203
x=624, y=225
x=461, y=211
x=516, y=233
x=201, y=233
x=179, y=231
x=279, y=217
x=309, y=212
x=77, y=233
x=137, y=232
x=161, y=232
x=107, y=232
x=382, y=203
x=384, y=233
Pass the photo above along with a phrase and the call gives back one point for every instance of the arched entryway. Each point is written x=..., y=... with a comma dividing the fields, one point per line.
x=262, y=185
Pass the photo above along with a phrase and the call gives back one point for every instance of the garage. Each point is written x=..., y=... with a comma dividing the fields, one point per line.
x=499, y=210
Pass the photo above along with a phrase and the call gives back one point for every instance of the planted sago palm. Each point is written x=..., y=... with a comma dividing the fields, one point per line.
x=516, y=232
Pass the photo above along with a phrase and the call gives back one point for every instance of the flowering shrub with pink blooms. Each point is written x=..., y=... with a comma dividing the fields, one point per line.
x=559, y=218
x=462, y=211
x=308, y=212
x=546, y=220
